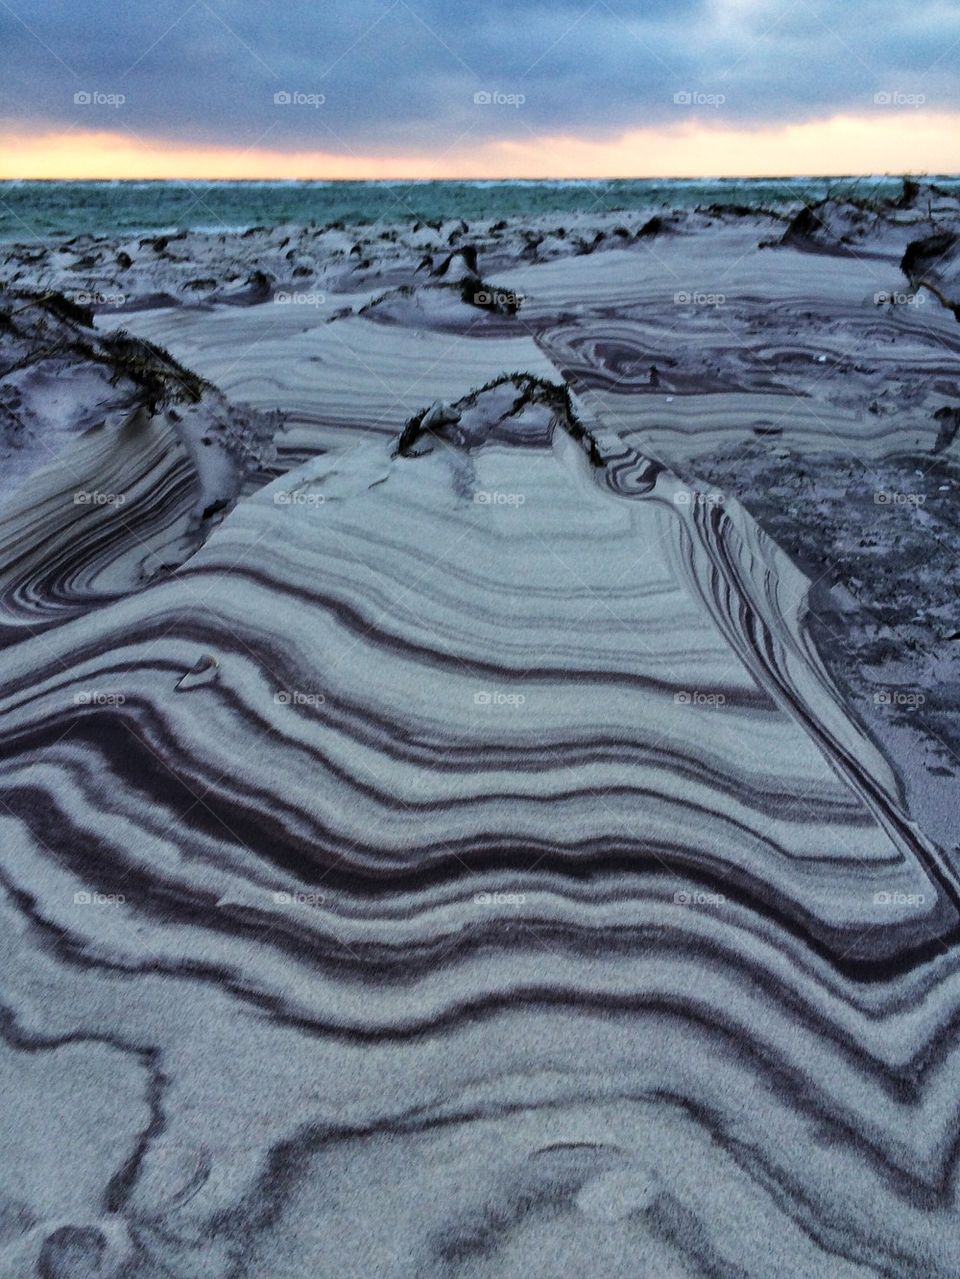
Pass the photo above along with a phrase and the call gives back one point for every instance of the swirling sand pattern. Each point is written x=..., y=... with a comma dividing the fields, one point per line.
x=507, y=893
x=96, y=525
x=859, y=379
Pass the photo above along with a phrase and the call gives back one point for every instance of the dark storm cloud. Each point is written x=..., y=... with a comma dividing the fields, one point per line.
x=403, y=74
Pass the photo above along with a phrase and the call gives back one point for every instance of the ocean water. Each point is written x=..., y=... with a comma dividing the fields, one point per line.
x=31, y=210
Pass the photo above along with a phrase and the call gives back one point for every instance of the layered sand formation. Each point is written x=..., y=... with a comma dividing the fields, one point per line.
x=434, y=840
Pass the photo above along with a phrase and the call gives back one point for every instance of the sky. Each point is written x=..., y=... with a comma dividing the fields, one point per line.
x=492, y=88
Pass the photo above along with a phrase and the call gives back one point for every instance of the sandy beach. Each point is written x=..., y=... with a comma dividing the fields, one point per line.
x=480, y=740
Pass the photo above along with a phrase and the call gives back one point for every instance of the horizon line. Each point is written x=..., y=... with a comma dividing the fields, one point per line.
x=893, y=174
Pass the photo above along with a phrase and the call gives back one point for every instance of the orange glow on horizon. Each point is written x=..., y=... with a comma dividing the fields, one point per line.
x=890, y=141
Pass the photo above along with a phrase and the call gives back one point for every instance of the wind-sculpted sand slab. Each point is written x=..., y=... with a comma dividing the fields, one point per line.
x=700, y=344
x=464, y=865
x=866, y=380
x=337, y=380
